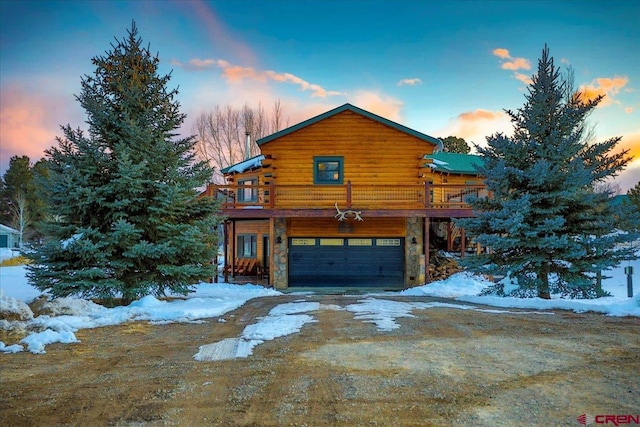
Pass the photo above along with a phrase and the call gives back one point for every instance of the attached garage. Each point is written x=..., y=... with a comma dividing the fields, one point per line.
x=346, y=262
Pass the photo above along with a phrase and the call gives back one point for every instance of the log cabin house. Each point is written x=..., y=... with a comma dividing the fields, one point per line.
x=344, y=199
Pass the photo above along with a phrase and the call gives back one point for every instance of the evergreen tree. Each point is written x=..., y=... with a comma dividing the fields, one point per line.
x=629, y=213
x=453, y=144
x=16, y=180
x=22, y=205
x=546, y=223
x=634, y=196
x=128, y=220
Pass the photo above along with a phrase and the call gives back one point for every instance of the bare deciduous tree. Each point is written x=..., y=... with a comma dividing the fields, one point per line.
x=222, y=133
x=20, y=213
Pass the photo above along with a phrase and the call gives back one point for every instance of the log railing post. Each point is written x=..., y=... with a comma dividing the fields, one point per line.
x=272, y=195
x=427, y=194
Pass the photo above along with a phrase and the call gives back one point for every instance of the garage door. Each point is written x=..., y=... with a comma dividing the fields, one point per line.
x=346, y=262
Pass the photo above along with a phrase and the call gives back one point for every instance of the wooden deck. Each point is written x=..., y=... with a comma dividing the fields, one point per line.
x=420, y=200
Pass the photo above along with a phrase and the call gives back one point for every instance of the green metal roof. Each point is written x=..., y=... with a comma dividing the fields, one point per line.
x=349, y=107
x=463, y=164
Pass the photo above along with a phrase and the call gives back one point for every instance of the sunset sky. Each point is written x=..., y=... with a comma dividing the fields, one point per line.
x=439, y=67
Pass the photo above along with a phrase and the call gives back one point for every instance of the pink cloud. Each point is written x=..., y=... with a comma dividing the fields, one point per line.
x=30, y=121
x=517, y=64
x=603, y=86
x=236, y=74
x=514, y=65
x=379, y=104
x=523, y=78
x=474, y=126
x=628, y=178
x=219, y=35
x=501, y=53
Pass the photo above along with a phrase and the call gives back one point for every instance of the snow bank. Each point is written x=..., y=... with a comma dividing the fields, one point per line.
x=466, y=287
x=68, y=315
x=8, y=253
x=13, y=308
x=455, y=286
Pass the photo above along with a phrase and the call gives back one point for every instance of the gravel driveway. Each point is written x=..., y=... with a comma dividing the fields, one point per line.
x=443, y=366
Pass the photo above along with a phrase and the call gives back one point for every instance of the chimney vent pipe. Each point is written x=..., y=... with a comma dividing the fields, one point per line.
x=247, y=153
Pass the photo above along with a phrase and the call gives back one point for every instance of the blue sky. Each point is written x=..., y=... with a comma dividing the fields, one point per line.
x=439, y=67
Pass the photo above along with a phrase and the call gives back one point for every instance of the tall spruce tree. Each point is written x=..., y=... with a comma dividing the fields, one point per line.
x=546, y=223
x=128, y=218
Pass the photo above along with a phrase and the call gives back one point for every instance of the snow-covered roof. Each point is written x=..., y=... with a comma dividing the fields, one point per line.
x=6, y=229
x=252, y=163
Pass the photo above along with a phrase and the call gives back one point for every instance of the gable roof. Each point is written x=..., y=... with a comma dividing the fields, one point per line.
x=353, y=108
x=463, y=164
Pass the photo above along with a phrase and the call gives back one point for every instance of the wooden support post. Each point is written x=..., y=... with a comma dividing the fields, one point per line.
x=272, y=246
x=233, y=248
x=449, y=236
x=463, y=242
x=427, y=251
x=225, y=243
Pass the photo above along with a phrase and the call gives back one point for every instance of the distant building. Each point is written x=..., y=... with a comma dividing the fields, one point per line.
x=9, y=238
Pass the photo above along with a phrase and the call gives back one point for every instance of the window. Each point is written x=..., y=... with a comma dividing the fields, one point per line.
x=249, y=194
x=247, y=246
x=328, y=170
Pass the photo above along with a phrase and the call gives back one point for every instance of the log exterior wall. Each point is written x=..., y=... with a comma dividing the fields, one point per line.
x=373, y=152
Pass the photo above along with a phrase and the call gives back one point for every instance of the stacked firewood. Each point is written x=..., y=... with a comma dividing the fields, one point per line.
x=442, y=265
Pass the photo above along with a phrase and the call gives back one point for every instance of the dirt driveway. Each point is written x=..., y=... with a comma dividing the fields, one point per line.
x=442, y=367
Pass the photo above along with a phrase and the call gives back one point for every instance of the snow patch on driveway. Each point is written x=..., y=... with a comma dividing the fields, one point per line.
x=383, y=313
x=282, y=320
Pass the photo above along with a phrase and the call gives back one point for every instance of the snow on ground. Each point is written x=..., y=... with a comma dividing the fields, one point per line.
x=466, y=287
x=383, y=313
x=68, y=315
x=282, y=320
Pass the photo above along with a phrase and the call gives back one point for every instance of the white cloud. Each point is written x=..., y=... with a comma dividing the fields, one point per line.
x=410, y=82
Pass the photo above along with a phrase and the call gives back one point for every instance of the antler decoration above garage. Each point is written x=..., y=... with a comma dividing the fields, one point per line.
x=342, y=215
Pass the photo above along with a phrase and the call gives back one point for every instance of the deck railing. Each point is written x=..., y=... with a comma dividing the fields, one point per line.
x=418, y=196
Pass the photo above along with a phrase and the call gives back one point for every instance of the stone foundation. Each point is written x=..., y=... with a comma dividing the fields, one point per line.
x=414, y=259
x=280, y=256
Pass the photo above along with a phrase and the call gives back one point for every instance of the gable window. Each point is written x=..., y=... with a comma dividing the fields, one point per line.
x=328, y=170
x=247, y=246
x=249, y=193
